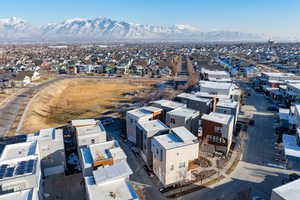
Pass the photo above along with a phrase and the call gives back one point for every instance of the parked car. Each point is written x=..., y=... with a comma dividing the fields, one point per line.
x=293, y=177
x=280, y=130
x=251, y=122
x=273, y=108
x=283, y=106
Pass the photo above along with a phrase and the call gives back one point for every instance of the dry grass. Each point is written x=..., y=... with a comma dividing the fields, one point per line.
x=76, y=99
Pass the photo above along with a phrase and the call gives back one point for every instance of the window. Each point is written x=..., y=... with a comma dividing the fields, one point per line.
x=93, y=141
x=172, y=168
x=161, y=155
x=131, y=121
x=181, y=165
x=172, y=120
x=218, y=129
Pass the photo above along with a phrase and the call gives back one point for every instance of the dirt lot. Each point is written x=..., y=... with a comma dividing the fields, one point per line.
x=78, y=98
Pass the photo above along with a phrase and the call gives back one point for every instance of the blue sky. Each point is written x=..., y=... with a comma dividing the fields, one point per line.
x=272, y=17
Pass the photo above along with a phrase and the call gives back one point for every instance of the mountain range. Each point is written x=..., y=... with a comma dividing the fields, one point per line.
x=105, y=29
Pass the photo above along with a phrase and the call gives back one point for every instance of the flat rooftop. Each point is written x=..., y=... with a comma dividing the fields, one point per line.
x=120, y=189
x=144, y=111
x=153, y=125
x=210, y=95
x=278, y=74
x=84, y=122
x=184, y=112
x=21, y=195
x=227, y=103
x=179, y=137
x=19, y=150
x=46, y=134
x=112, y=173
x=214, y=72
x=217, y=117
x=294, y=85
x=289, y=191
x=193, y=97
x=19, y=167
x=215, y=85
x=291, y=147
x=102, y=151
x=169, y=103
x=90, y=130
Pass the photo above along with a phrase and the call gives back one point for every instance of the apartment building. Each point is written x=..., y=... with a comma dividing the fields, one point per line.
x=172, y=154
x=146, y=113
x=89, y=131
x=217, y=130
x=51, y=150
x=166, y=106
x=192, y=101
x=186, y=117
x=100, y=155
x=146, y=130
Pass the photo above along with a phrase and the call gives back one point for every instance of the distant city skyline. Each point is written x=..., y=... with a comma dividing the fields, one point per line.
x=273, y=18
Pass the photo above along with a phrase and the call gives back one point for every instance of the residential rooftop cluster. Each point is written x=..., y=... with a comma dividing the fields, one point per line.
x=28, y=160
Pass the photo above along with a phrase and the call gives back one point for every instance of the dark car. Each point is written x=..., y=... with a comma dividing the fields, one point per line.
x=280, y=130
x=251, y=122
x=293, y=177
x=273, y=108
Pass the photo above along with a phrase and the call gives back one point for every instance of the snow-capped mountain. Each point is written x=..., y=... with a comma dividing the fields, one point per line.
x=102, y=28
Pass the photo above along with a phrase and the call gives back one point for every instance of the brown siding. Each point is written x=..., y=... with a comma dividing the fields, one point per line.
x=209, y=128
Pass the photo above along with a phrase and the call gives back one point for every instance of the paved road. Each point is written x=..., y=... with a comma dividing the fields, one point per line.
x=9, y=111
x=253, y=174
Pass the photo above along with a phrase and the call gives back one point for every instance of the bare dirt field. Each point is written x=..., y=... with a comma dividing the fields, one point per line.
x=76, y=99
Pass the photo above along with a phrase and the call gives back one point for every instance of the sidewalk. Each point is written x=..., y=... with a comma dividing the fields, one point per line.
x=11, y=96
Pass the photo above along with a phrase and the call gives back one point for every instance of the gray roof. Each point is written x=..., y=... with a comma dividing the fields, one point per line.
x=152, y=126
x=184, y=112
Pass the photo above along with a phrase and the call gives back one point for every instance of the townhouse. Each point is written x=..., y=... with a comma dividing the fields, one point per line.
x=192, y=101
x=145, y=132
x=217, y=130
x=100, y=155
x=137, y=115
x=172, y=155
x=166, y=106
x=186, y=117
x=89, y=131
x=51, y=150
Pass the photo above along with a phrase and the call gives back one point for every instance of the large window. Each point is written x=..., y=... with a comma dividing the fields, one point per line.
x=181, y=165
x=172, y=168
x=218, y=129
x=172, y=120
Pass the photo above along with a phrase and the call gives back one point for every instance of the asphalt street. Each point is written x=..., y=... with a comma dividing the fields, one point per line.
x=9, y=111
